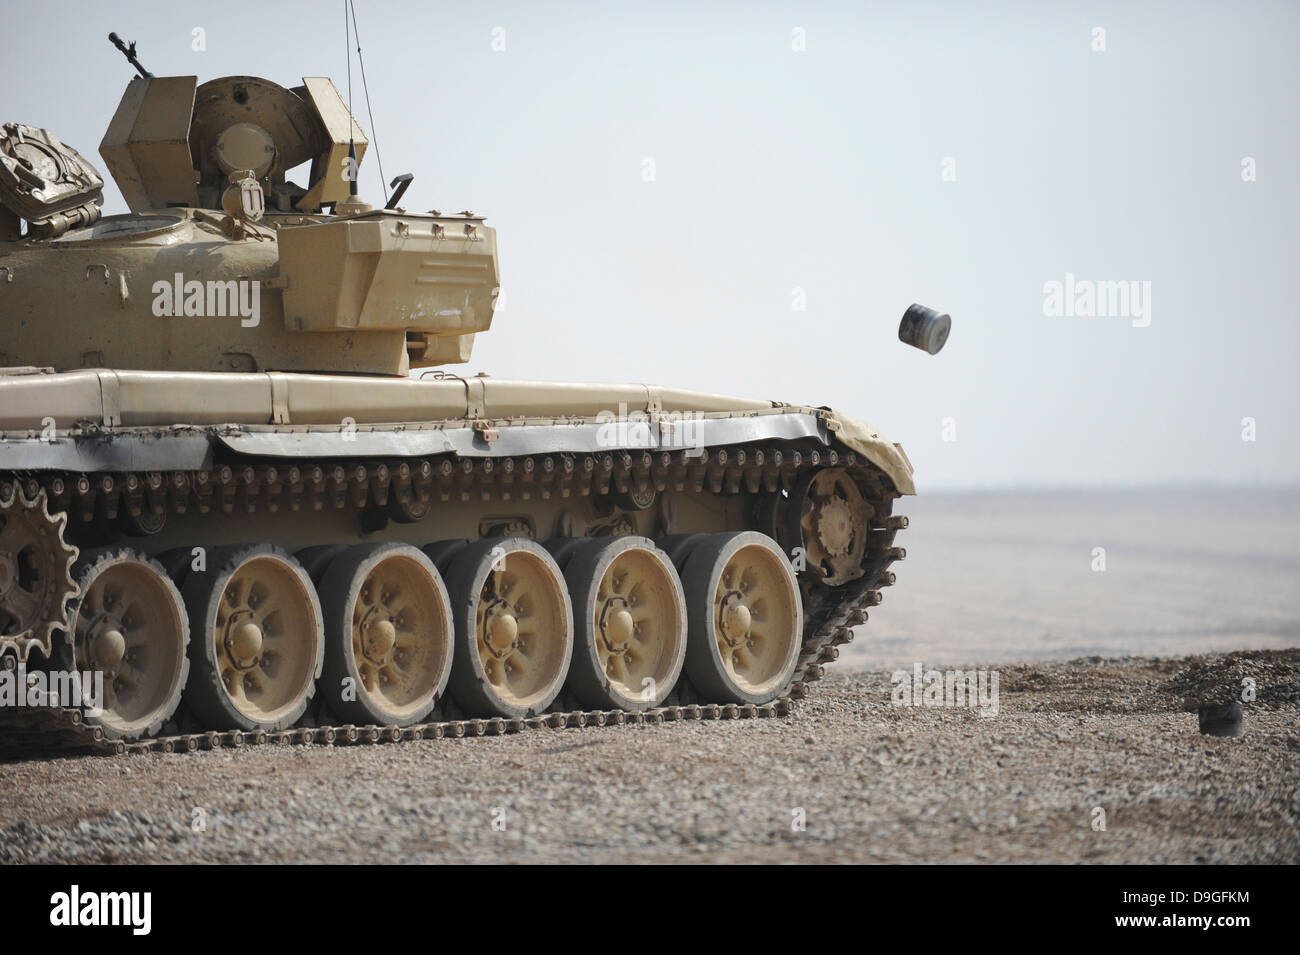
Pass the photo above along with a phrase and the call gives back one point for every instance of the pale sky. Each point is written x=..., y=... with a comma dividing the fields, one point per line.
x=778, y=168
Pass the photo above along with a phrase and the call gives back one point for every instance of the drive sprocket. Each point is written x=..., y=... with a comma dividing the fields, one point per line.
x=35, y=572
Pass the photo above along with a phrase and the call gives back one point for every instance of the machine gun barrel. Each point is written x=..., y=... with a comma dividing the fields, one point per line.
x=128, y=51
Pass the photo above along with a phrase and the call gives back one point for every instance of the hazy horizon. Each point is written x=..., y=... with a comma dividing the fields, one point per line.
x=1012, y=577
x=815, y=169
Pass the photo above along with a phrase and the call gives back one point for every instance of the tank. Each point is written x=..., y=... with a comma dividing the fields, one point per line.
x=245, y=497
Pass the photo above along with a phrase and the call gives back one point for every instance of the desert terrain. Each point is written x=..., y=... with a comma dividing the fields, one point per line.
x=1093, y=754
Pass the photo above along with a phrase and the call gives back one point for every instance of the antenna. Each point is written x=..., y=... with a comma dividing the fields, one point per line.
x=352, y=122
x=350, y=28
x=365, y=87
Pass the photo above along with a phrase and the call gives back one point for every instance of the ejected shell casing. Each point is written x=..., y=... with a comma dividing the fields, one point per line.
x=1220, y=719
x=924, y=328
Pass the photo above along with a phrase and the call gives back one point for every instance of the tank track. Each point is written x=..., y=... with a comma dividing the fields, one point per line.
x=829, y=613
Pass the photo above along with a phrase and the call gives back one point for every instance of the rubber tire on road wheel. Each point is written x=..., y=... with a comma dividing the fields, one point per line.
x=316, y=560
x=177, y=562
x=444, y=553
x=678, y=547
x=563, y=548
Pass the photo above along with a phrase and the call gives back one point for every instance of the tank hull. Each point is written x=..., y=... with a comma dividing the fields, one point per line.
x=239, y=459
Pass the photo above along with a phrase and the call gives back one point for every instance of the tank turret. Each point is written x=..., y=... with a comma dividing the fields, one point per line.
x=224, y=263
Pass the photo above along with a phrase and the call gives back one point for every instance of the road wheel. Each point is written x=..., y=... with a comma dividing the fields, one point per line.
x=513, y=628
x=257, y=639
x=629, y=624
x=746, y=618
x=387, y=635
x=130, y=625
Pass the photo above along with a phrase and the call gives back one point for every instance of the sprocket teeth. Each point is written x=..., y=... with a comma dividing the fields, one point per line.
x=56, y=561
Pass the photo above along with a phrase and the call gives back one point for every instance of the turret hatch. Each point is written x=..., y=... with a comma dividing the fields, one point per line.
x=44, y=182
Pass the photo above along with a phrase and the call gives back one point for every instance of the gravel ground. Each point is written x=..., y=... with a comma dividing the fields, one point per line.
x=875, y=783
